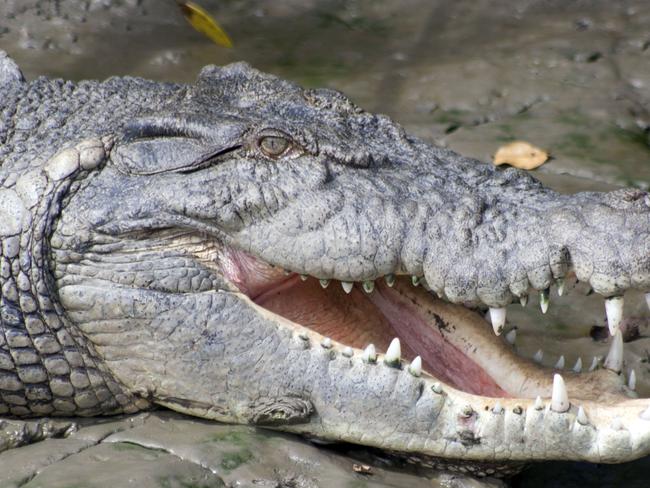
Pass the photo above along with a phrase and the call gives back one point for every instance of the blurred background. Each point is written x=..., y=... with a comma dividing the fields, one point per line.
x=572, y=77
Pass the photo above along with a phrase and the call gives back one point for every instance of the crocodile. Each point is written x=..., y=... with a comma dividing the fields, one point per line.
x=246, y=250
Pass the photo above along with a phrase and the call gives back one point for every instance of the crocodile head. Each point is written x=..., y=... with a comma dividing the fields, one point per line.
x=250, y=251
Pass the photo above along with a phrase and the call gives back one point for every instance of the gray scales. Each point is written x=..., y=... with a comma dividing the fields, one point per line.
x=160, y=243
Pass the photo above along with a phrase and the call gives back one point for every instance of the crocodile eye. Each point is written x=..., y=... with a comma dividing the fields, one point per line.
x=274, y=146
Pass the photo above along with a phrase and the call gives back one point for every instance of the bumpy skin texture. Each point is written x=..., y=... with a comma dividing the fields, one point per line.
x=117, y=197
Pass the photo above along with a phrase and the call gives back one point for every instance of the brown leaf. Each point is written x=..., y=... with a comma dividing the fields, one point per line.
x=520, y=154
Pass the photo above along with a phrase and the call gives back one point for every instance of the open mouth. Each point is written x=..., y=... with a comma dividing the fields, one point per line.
x=397, y=321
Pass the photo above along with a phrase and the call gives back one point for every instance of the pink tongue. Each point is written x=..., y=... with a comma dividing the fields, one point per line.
x=440, y=357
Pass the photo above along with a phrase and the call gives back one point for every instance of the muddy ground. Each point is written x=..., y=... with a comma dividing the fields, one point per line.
x=571, y=77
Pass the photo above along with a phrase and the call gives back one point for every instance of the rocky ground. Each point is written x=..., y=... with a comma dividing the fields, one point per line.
x=571, y=77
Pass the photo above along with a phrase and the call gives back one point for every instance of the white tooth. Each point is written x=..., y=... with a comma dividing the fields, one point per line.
x=578, y=366
x=560, y=286
x=647, y=299
x=538, y=403
x=303, y=277
x=415, y=368
x=368, y=286
x=581, y=418
x=560, y=397
x=326, y=343
x=631, y=382
x=614, y=360
x=348, y=352
x=498, y=318
x=347, y=286
x=390, y=279
x=539, y=355
x=415, y=280
x=645, y=415
x=614, y=309
x=497, y=408
x=523, y=300
x=437, y=388
x=286, y=272
x=560, y=363
x=369, y=354
x=543, y=300
x=511, y=336
x=394, y=352
x=324, y=283
x=594, y=363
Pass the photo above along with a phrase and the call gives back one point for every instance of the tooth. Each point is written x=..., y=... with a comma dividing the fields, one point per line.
x=614, y=360
x=415, y=368
x=415, y=280
x=645, y=415
x=631, y=383
x=497, y=408
x=543, y=300
x=560, y=397
x=594, y=363
x=614, y=309
x=394, y=353
x=578, y=366
x=523, y=299
x=390, y=279
x=511, y=336
x=581, y=418
x=368, y=286
x=538, y=403
x=498, y=318
x=348, y=352
x=347, y=286
x=324, y=283
x=326, y=343
x=286, y=272
x=647, y=299
x=303, y=277
x=560, y=286
x=437, y=388
x=560, y=363
x=369, y=354
x=539, y=355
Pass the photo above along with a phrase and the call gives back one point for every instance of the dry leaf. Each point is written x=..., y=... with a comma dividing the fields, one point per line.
x=520, y=154
x=203, y=22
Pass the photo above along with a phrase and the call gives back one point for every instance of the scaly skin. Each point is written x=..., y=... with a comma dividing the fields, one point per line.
x=122, y=205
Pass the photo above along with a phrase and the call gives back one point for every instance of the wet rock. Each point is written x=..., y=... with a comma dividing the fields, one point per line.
x=165, y=449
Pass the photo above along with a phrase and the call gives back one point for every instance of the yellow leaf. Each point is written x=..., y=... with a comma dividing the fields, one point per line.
x=204, y=23
x=520, y=154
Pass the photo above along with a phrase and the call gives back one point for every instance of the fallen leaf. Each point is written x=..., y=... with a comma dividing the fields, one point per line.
x=520, y=154
x=362, y=468
x=203, y=22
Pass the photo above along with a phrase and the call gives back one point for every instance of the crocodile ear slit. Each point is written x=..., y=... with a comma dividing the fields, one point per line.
x=173, y=145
